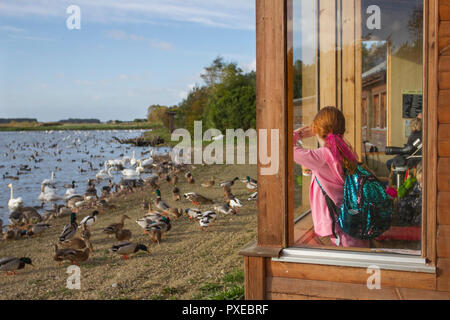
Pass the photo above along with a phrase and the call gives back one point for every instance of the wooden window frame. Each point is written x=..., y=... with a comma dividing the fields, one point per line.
x=430, y=87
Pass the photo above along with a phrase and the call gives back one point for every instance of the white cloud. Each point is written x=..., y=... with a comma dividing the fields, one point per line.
x=162, y=45
x=122, y=35
x=33, y=38
x=232, y=14
x=11, y=29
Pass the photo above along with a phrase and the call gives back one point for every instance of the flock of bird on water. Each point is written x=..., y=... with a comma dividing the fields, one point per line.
x=26, y=221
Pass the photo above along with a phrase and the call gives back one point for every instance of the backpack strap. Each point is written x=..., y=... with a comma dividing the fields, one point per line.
x=332, y=208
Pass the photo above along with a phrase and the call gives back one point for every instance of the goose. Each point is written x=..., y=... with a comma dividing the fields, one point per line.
x=14, y=204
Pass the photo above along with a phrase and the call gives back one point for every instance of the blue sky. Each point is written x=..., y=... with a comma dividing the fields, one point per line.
x=127, y=55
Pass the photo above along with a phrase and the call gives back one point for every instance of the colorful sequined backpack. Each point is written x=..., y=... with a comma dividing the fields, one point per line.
x=366, y=211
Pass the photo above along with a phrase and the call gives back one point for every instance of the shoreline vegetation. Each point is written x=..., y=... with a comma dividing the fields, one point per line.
x=55, y=126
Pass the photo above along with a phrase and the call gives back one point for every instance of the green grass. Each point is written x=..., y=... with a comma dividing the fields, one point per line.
x=231, y=287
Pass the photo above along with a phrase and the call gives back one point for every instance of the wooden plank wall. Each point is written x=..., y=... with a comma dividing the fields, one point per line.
x=443, y=197
x=271, y=114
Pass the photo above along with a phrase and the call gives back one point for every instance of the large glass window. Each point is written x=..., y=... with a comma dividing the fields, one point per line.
x=364, y=57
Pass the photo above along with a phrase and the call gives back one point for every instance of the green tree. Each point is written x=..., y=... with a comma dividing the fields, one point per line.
x=233, y=102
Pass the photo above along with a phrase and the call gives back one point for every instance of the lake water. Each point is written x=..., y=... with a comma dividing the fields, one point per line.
x=66, y=153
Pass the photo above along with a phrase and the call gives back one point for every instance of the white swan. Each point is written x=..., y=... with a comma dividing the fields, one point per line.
x=116, y=163
x=146, y=163
x=131, y=174
x=14, y=204
x=70, y=193
x=133, y=159
x=49, y=182
x=104, y=174
x=48, y=194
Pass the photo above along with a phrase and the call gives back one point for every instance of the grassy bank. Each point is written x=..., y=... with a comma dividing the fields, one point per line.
x=188, y=264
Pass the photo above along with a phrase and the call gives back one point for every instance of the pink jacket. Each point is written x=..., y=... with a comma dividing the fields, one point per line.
x=329, y=172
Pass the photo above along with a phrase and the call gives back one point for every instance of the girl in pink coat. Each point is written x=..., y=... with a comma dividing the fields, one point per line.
x=327, y=165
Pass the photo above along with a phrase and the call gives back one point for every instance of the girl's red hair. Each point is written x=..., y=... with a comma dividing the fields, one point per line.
x=329, y=124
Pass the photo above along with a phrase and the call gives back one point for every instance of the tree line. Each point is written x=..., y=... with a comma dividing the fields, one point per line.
x=226, y=100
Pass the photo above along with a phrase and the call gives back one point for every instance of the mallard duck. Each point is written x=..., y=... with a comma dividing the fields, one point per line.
x=89, y=220
x=39, y=228
x=85, y=232
x=126, y=248
x=71, y=203
x=50, y=214
x=175, y=213
x=197, y=199
x=234, y=203
x=189, y=177
x=16, y=217
x=208, y=184
x=211, y=215
x=176, y=194
x=123, y=234
x=155, y=234
x=193, y=213
x=11, y=264
x=253, y=196
x=228, y=183
x=164, y=223
x=113, y=228
x=160, y=204
x=72, y=255
x=250, y=183
x=172, y=179
x=30, y=214
x=69, y=229
x=232, y=200
x=204, y=223
x=225, y=209
x=77, y=244
x=149, y=219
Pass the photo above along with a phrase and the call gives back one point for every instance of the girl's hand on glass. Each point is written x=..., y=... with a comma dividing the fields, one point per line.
x=304, y=132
